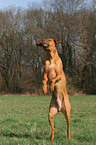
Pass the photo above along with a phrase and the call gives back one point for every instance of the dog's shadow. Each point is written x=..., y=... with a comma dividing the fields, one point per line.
x=12, y=135
x=26, y=135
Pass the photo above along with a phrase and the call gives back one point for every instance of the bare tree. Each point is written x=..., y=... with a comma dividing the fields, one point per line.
x=87, y=28
x=10, y=47
x=21, y=62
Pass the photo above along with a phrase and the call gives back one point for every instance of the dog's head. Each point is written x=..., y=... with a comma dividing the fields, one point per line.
x=48, y=44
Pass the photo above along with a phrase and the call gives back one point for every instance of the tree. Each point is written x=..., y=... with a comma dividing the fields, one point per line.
x=11, y=41
x=87, y=28
x=21, y=61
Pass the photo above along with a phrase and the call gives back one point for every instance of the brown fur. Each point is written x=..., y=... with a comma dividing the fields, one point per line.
x=54, y=73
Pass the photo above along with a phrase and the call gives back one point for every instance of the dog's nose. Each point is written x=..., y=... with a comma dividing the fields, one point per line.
x=43, y=40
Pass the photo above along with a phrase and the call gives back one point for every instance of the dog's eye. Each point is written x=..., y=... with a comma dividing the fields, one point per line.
x=50, y=40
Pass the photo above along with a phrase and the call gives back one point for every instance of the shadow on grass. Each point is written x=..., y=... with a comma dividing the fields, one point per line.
x=16, y=135
x=36, y=136
x=84, y=139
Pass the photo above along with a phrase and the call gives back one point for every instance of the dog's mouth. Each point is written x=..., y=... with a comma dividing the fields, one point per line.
x=43, y=44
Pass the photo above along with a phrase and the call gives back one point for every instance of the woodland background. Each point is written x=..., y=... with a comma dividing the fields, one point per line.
x=22, y=62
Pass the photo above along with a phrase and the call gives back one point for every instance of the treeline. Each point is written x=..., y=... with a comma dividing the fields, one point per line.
x=21, y=62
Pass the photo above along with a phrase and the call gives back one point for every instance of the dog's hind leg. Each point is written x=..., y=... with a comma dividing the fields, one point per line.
x=66, y=108
x=53, y=110
x=59, y=102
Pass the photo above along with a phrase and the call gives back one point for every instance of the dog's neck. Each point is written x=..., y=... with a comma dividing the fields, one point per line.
x=52, y=54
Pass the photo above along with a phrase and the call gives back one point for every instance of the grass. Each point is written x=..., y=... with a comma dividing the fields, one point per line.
x=24, y=121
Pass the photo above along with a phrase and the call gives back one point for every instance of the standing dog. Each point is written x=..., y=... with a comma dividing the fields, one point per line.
x=53, y=72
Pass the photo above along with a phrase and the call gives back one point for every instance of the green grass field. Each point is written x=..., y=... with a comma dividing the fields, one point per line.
x=24, y=121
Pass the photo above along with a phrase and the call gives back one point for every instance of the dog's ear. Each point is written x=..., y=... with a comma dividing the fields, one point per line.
x=57, y=41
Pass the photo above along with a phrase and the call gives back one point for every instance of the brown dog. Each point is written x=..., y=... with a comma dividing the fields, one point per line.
x=54, y=73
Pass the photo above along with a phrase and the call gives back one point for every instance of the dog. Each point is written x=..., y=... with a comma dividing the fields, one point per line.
x=53, y=72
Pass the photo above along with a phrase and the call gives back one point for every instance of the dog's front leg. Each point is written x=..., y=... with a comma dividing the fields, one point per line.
x=57, y=78
x=52, y=86
x=58, y=71
x=45, y=83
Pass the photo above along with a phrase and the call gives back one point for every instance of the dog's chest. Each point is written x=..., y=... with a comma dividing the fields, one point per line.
x=51, y=66
x=51, y=71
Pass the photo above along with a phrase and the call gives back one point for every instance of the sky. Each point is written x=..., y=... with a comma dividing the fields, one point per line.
x=4, y=4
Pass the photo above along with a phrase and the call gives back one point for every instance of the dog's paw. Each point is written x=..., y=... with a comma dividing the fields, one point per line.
x=44, y=90
x=52, y=87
